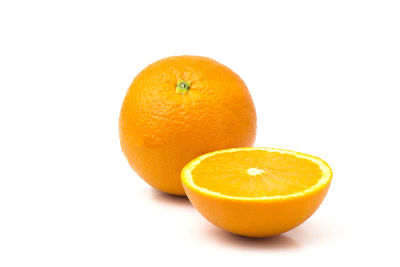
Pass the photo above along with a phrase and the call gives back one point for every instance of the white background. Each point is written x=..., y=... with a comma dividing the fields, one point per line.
x=325, y=78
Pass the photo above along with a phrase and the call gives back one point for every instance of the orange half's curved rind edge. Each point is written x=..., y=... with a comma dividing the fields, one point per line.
x=237, y=210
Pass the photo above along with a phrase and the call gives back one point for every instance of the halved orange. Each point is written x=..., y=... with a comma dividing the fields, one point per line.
x=256, y=192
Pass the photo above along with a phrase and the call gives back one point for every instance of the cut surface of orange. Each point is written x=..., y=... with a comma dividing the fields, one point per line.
x=256, y=191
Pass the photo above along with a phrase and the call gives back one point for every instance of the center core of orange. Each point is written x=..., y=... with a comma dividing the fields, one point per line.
x=255, y=171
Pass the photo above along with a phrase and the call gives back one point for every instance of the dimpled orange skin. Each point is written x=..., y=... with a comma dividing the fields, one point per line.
x=162, y=130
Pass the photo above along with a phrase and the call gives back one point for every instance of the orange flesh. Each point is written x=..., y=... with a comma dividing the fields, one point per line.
x=256, y=173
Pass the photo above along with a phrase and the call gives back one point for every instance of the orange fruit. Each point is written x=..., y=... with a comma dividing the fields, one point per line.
x=179, y=108
x=256, y=192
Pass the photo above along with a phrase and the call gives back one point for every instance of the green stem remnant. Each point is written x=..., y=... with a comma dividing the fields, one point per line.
x=182, y=87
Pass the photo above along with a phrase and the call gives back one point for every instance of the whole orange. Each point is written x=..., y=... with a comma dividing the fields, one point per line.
x=179, y=108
